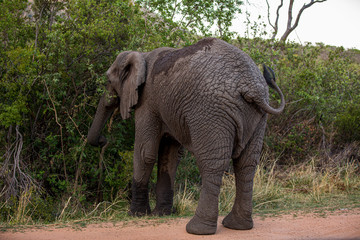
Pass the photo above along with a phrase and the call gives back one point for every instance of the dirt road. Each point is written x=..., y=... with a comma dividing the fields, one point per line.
x=340, y=225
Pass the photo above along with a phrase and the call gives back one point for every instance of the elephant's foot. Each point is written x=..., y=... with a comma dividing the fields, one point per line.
x=164, y=203
x=138, y=211
x=161, y=211
x=237, y=223
x=199, y=226
x=139, y=199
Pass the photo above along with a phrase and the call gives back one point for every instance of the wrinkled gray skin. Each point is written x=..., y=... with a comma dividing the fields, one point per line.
x=210, y=98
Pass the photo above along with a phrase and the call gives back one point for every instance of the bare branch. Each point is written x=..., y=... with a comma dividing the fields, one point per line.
x=16, y=180
x=302, y=10
x=291, y=4
x=174, y=12
x=275, y=26
x=101, y=169
x=268, y=16
x=76, y=126
x=290, y=28
x=61, y=127
x=79, y=167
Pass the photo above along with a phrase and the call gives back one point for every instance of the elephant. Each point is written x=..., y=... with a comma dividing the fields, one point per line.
x=209, y=98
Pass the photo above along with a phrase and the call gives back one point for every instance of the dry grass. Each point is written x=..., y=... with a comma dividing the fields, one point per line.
x=184, y=200
x=302, y=187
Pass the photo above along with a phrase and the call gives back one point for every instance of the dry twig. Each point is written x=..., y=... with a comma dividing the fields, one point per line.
x=15, y=178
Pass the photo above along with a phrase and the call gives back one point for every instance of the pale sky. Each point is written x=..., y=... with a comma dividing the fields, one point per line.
x=334, y=22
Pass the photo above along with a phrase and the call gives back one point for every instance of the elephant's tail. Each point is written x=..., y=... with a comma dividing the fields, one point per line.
x=269, y=76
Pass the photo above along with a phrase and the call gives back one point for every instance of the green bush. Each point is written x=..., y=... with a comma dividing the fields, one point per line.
x=321, y=85
x=188, y=170
x=53, y=57
x=348, y=123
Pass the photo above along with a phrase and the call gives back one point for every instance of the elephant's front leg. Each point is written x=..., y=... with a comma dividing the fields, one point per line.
x=170, y=152
x=147, y=138
x=143, y=166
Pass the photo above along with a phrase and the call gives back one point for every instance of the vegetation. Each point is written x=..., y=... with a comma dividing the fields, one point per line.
x=53, y=57
x=304, y=187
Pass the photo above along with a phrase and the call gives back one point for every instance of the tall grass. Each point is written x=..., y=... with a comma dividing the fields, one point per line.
x=301, y=187
x=277, y=189
x=185, y=199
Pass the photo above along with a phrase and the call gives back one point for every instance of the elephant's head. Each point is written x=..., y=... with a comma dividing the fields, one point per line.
x=125, y=76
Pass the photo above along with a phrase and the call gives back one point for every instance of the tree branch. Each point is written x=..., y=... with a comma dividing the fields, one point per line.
x=268, y=15
x=16, y=180
x=291, y=4
x=290, y=28
x=61, y=127
x=302, y=10
x=276, y=25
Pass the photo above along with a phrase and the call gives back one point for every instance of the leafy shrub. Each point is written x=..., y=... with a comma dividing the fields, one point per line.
x=53, y=57
x=321, y=86
x=188, y=170
x=348, y=123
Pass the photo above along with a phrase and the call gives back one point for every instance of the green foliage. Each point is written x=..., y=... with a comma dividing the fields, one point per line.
x=53, y=57
x=188, y=170
x=348, y=123
x=16, y=63
x=119, y=173
x=321, y=86
x=29, y=208
x=13, y=28
x=187, y=183
x=194, y=17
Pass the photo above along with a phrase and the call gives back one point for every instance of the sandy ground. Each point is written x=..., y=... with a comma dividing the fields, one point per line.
x=340, y=225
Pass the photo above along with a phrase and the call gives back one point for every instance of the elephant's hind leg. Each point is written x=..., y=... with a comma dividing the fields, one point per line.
x=169, y=155
x=240, y=217
x=212, y=160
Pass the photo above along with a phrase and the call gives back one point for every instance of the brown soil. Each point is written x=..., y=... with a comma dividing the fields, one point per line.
x=340, y=225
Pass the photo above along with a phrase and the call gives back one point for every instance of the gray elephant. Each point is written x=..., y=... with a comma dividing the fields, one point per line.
x=209, y=98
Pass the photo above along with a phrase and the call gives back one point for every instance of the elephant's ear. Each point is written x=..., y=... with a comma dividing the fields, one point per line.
x=131, y=75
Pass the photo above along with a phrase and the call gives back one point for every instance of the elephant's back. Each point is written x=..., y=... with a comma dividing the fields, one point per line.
x=210, y=72
x=211, y=65
x=202, y=84
x=208, y=53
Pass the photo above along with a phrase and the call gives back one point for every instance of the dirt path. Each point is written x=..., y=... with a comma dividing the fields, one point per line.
x=340, y=225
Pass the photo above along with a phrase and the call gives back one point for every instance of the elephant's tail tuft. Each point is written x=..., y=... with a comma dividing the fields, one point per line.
x=269, y=76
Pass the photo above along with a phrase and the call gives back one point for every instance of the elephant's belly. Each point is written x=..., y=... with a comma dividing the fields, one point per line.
x=179, y=130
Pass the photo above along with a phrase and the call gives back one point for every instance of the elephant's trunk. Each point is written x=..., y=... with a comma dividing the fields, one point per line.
x=102, y=115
